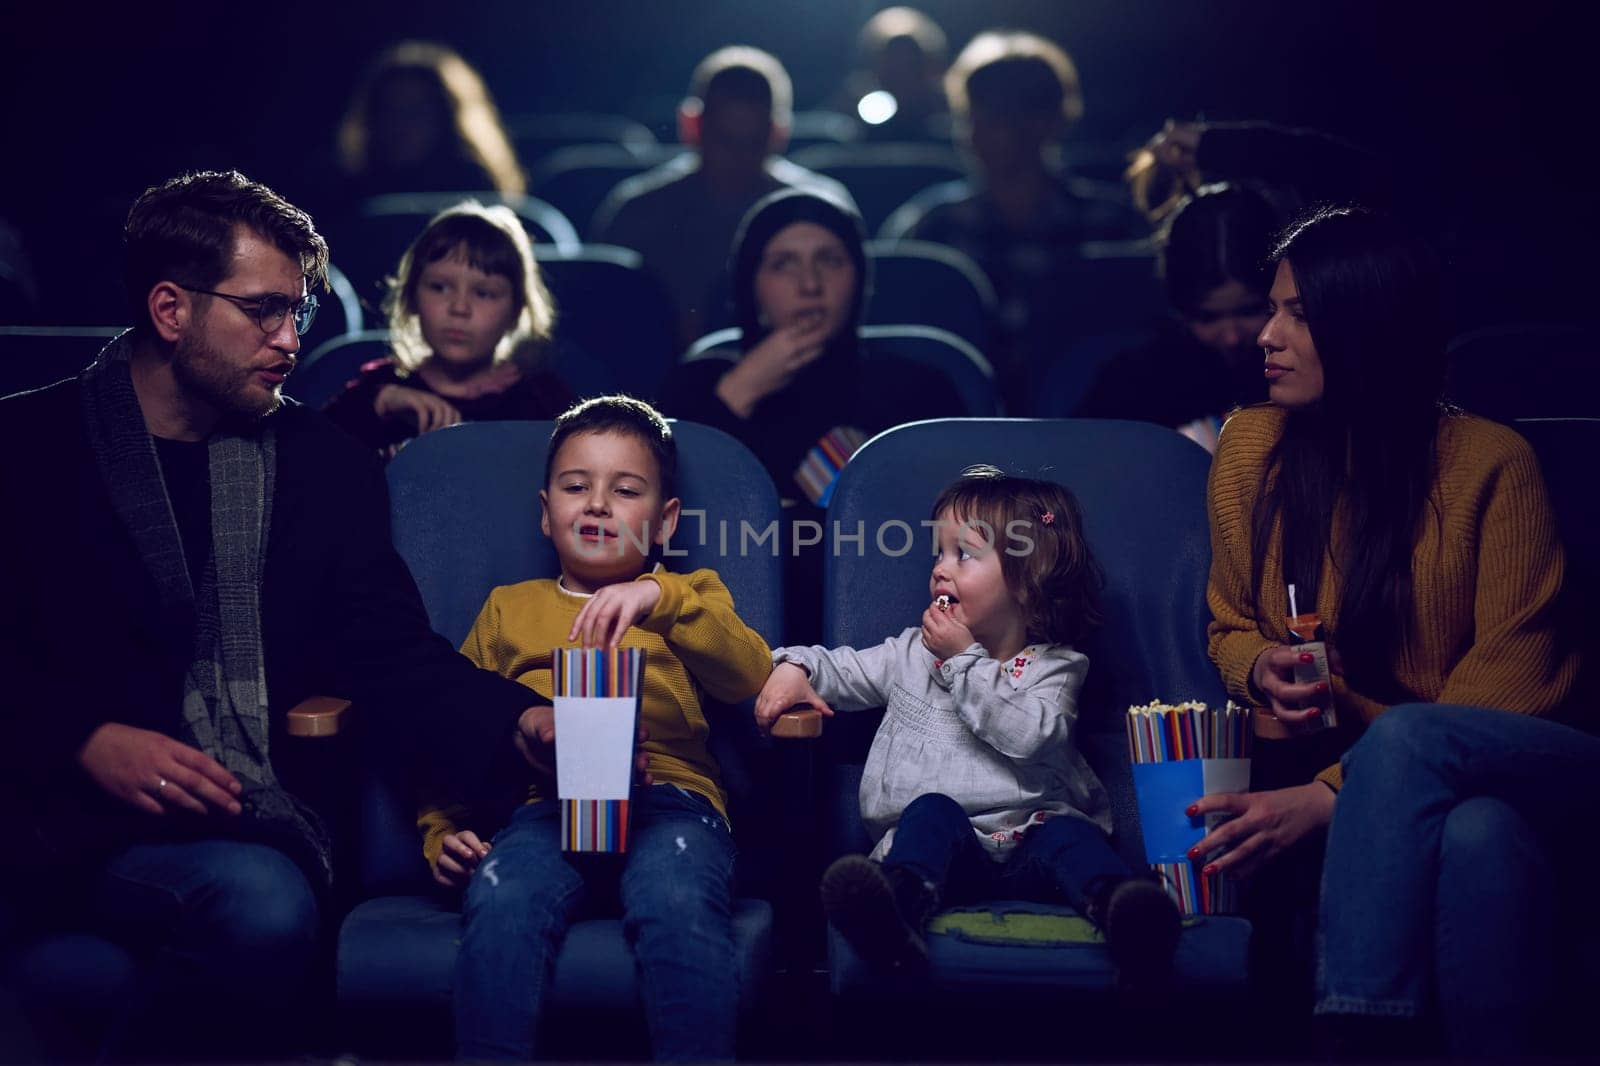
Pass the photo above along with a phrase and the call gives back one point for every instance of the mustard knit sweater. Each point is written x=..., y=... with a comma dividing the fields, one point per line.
x=692, y=639
x=1485, y=575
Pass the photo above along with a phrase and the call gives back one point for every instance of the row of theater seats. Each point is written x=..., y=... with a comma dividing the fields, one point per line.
x=1509, y=371
x=794, y=802
x=880, y=177
x=574, y=160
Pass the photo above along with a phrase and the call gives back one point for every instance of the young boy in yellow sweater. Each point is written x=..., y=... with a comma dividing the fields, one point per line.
x=609, y=505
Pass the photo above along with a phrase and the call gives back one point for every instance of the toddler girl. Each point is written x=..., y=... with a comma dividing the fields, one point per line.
x=974, y=788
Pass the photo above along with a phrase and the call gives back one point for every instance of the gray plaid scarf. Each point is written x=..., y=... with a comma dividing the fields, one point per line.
x=225, y=690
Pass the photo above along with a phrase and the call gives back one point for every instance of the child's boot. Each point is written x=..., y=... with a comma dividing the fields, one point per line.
x=881, y=911
x=1141, y=925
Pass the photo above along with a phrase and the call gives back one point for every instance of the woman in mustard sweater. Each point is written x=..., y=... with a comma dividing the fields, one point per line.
x=1422, y=537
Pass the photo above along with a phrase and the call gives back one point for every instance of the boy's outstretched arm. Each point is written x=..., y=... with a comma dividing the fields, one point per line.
x=696, y=617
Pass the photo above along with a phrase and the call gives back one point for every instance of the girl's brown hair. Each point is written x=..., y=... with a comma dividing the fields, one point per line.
x=492, y=240
x=1037, y=527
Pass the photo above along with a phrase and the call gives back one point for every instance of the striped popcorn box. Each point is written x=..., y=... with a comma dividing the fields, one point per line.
x=1181, y=752
x=819, y=470
x=596, y=696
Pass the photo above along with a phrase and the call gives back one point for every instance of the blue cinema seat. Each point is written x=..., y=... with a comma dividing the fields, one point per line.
x=611, y=309
x=1566, y=448
x=323, y=373
x=466, y=518
x=32, y=357
x=1142, y=489
x=371, y=242
x=1522, y=370
x=881, y=176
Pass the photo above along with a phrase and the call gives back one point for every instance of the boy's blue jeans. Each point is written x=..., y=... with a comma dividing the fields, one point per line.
x=1438, y=892
x=1055, y=862
x=676, y=889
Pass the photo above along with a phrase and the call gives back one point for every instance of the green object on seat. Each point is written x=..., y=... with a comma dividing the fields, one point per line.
x=1020, y=928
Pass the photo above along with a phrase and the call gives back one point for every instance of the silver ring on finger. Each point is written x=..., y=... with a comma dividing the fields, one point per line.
x=161, y=783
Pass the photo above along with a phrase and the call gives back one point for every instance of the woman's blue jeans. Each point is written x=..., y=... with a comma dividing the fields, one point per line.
x=1055, y=862
x=1440, y=880
x=676, y=889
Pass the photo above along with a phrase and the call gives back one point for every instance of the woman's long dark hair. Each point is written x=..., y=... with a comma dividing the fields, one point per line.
x=1373, y=299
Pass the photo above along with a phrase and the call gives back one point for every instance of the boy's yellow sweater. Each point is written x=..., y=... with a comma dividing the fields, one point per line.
x=1486, y=572
x=693, y=640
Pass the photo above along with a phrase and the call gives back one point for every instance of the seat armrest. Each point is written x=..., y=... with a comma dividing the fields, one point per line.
x=318, y=716
x=798, y=725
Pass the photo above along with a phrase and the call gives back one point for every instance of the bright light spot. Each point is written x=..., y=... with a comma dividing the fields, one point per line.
x=878, y=107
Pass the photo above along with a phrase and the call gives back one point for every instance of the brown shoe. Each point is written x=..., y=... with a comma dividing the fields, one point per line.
x=860, y=900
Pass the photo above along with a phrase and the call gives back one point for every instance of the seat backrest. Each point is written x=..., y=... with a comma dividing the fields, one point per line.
x=882, y=176
x=968, y=372
x=32, y=357
x=578, y=179
x=612, y=310
x=535, y=136
x=339, y=312
x=807, y=128
x=1143, y=493
x=544, y=221
x=1109, y=287
x=960, y=363
x=1522, y=370
x=369, y=244
x=1065, y=382
x=929, y=285
x=464, y=511
x=1566, y=448
x=323, y=374
x=900, y=221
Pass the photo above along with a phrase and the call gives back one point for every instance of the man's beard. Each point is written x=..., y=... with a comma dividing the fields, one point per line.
x=203, y=373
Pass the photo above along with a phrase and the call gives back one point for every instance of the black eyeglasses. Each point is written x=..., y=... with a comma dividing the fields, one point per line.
x=271, y=309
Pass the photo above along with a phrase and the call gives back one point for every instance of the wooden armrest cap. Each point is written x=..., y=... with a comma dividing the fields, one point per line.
x=317, y=716
x=797, y=725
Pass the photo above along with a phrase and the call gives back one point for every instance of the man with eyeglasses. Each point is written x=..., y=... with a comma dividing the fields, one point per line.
x=187, y=556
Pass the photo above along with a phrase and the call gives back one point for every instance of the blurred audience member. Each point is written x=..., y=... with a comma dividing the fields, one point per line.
x=1203, y=361
x=897, y=88
x=799, y=393
x=470, y=317
x=1021, y=217
x=1295, y=167
x=681, y=216
x=422, y=120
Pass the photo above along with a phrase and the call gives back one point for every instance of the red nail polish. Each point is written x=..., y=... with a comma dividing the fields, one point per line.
x=1322, y=686
x=1307, y=658
x=1194, y=852
x=1192, y=810
x=1210, y=870
x=1314, y=712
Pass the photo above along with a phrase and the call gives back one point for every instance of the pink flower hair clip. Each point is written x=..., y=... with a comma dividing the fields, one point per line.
x=1048, y=518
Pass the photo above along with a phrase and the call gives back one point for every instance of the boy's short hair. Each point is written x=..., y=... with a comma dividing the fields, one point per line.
x=1037, y=528
x=1015, y=74
x=620, y=414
